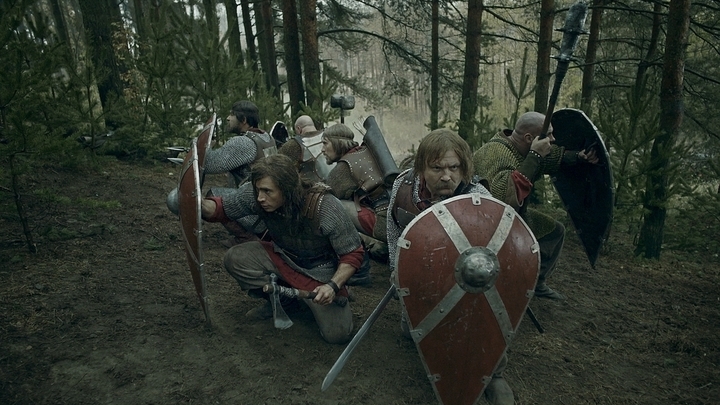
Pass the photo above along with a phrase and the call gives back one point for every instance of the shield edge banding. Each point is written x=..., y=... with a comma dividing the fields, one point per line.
x=434, y=317
x=503, y=230
x=457, y=236
x=501, y=314
x=451, y=227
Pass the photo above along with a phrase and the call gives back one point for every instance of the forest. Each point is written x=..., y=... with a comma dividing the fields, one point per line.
x=97, y=304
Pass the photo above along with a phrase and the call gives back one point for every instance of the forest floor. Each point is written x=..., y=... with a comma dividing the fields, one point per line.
x=106, y=312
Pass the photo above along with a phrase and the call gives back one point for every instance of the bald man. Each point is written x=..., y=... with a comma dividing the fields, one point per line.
x=305, y=127
x=512, y=161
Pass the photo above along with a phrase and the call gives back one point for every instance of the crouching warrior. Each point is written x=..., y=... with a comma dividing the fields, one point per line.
x=305, y=149
x=464, y=265
x=314, y=245
x=361, y=179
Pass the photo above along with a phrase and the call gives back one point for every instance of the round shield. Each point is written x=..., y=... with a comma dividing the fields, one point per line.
x=466, y=270
x=190, y=198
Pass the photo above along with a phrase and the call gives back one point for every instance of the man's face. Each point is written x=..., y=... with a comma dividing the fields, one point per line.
x=530, y=137
x=443, y=176
x=234, y=126
x=269, y=195
x=329, y=151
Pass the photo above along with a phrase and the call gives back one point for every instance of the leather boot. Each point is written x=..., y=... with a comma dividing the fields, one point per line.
x=543, y=291
x=498, y=392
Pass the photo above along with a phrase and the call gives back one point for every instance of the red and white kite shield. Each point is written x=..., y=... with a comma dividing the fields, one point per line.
x=190, y=198
x=466, y=271
x=203, y=144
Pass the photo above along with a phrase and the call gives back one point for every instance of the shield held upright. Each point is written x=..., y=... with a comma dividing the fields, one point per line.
x=190, y=198
x=466, y=271
x=586, y=190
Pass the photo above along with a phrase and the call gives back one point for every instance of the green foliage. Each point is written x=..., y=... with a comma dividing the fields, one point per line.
x=98, y=204
x=519, y=91
x=51, y=196
x=694, y=226
x=153, y=244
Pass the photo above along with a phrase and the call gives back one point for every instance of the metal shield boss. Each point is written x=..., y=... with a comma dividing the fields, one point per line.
x=586, y=190
x=466, y=271
x=190, y=197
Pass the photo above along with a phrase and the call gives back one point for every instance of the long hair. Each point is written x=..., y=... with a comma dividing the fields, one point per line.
x=247, y=111
x=341, y=138
x=438, y=142
x=281, y=169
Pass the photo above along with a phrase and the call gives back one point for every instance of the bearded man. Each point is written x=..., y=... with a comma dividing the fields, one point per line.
x=442, y=168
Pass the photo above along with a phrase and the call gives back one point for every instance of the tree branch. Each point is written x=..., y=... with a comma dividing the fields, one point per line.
x=382, y=38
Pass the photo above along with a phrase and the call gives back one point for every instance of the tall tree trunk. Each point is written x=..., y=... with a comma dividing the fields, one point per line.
x=266, y=45
x=62, y=31
x=434, y=67
x=234, y=44
x=646, y=62
x=249, y=36
x=588, y=78
x=140, y=20
x=637, y=93
x=211, y=17
x=291, y=41
x=671, y=114
x=100, y=19
x=310, y=54
x=542, y=74
x=262, y=49
x=468, y=102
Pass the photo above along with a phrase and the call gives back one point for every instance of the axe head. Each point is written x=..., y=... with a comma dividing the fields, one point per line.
x=280, y=319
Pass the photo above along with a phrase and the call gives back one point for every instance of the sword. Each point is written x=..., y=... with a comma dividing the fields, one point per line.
x=534, y=320
x=571, y=32
x=340, y=362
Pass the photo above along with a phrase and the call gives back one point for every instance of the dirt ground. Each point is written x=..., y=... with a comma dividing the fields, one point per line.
x=106, y=312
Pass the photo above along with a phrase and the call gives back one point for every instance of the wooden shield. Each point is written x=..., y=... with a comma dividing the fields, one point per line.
x=587, y=191
x=466, y=271
x=190, y=197
x=204, y=140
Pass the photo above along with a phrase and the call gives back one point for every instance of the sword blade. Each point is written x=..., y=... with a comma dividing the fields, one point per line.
x=340, y=362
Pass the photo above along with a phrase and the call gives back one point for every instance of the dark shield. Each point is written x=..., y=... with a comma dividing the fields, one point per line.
x=586, y=190
x=190, y=198
x=279, y=132
x=466, y=271
x=375, y=141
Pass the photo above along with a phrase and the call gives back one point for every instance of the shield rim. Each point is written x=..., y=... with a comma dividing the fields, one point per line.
x=592, y=257
x=534, y=249
x=210, y=129
x=195, y=258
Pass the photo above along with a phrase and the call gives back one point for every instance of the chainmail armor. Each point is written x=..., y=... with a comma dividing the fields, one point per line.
x=327, y=232
x=394, y=230
x=497, y=159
